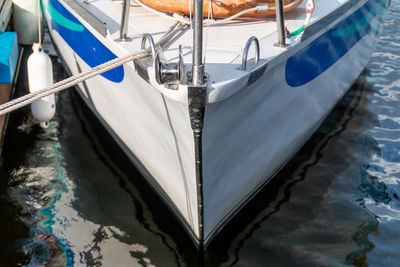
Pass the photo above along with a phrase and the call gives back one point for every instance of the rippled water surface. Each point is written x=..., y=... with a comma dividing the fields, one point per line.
x=68, y=199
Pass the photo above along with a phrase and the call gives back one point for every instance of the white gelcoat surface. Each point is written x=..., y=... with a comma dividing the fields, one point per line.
x=136, y=113
x=248, y=136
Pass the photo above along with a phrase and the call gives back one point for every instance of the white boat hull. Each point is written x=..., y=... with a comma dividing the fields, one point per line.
x=253, y=133
x=249, y=132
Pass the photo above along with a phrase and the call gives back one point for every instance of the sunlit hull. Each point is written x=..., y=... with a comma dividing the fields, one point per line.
x=255, y=120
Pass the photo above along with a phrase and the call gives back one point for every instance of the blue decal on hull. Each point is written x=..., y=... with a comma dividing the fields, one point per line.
x=87, y=46
x=319, y=55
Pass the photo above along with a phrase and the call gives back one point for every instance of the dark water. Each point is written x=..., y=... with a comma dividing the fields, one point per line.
x=69, y=199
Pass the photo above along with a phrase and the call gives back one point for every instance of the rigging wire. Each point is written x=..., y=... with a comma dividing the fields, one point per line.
x=190, y=14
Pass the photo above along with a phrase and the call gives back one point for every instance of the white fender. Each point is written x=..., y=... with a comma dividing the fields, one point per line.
x=40, y=75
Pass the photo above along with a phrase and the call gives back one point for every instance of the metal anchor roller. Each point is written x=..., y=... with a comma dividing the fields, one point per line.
x=169, y=74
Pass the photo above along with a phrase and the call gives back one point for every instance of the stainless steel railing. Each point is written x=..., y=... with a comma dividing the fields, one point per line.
x=280, y=23
x=123, y=36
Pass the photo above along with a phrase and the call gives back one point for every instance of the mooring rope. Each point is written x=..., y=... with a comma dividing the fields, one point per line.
x=71, y=81
x=80, y=77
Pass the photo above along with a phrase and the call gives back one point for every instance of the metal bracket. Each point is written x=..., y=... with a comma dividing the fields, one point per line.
x=246, y=51
x=197, y=105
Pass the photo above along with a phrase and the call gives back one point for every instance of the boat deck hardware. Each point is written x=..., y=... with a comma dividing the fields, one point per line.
x=280, y=23
x=246, y=51
x=198, y=67
x=169, y=74
x=123, y=37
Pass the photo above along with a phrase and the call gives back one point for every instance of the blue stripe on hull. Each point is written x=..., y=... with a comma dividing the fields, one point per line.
x=319, y=55
x=83, y=42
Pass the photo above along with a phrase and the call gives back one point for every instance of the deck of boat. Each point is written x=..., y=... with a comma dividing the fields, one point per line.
x=224, y=43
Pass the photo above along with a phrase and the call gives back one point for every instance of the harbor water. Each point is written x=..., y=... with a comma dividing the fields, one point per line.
x=70, y=197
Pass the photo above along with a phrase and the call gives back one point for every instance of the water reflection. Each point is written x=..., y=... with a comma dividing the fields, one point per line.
x=309, y=211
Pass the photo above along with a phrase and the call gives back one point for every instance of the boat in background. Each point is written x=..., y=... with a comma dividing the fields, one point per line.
x=8, y=60
x=206, y=125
